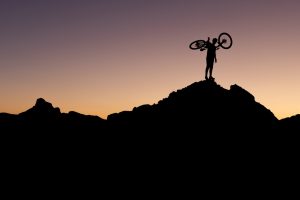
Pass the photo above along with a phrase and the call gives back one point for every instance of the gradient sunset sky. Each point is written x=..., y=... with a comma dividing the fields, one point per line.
x=103, y=56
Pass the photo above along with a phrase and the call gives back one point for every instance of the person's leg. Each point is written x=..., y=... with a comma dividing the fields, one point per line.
x=208, y=68
x=211, y=70
x=206, y=71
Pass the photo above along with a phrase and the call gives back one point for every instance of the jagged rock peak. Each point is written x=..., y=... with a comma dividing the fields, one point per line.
x=42, y=108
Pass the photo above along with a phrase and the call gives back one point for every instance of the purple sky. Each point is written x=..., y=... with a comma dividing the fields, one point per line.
x=103, y=56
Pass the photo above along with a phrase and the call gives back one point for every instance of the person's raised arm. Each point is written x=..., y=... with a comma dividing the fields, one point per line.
x=207, y=42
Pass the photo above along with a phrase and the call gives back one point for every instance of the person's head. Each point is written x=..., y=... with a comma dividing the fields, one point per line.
x=214, y=40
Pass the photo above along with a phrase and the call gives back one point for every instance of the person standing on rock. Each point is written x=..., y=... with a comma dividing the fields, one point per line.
x=211, y=57
x=224, y=40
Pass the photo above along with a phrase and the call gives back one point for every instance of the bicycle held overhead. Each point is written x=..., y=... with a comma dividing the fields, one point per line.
x=224, y=40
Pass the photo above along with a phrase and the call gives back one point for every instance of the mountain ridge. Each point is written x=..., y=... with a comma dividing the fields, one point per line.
x=203, y=101
x=200, y=129
x=202, y=106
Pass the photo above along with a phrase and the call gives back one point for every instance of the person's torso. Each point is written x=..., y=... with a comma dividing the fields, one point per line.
x=211, y=50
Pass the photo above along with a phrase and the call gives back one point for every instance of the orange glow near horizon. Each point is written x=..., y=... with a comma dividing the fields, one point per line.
x=103, y=57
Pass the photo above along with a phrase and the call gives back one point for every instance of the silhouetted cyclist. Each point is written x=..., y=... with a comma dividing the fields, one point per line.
x=210, y=57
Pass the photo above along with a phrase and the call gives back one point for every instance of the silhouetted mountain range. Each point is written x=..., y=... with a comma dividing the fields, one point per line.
x=201, y=108
x=43, y=117
x=199, y=131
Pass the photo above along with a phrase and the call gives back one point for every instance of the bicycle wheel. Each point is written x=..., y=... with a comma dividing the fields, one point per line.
x=227, y=38
x=197, y=44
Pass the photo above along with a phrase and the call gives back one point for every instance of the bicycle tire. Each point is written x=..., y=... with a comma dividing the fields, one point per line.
x=197, y=44
x=228, y=38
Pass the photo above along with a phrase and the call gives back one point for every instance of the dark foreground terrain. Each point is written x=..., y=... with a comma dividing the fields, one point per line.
x=201, y=133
